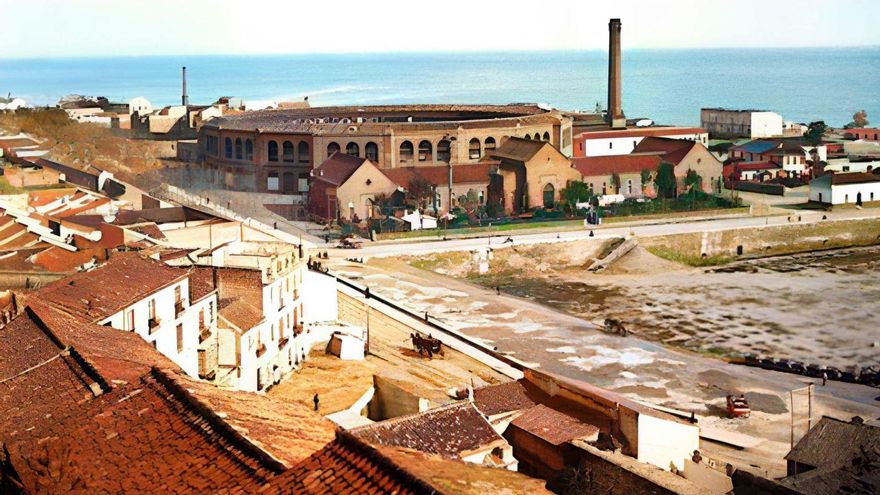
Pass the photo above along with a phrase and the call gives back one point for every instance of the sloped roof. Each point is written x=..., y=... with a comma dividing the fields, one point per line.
x=834, y=442
x=592, y=166
x=477, y=173
x=518, y=149
x=671, y=150
x=553, y=426
x=853, y=178
x=758, y=146
x=106, y=290
x=240, y=313
x=451, y=431
x=348, y=466
x=503, y=398
x=605, y=133
x=337, y=168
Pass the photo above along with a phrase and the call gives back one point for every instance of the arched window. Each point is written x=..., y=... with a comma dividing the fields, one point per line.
x=273, y=151
x=406, y=151
x=371, y=152
x=443, y=151
x=425, y=151
x=248, y=150
x=353, y=149
x=238, y=151
x=474, y=149
x=332, y=148
x=227, y=146
x=287, y=151
x=489, y=145
x=549, y=195
x=547, y=137
x=303, y=152
x=528, y=136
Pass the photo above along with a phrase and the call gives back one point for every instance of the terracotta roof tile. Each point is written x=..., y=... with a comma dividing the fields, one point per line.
x=337, y=168
x=239, y=313
x=477, y=173
x=553, y=426
x=503, y=398
x=106, y=290
x=592, y=166
x=671, y=150
x=518, y=149
x=451, y=431
x=641, y=132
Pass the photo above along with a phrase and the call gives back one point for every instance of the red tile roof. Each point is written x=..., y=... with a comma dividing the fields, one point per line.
x=201, y=282
x=113, y=286
x=451, y=431
x=477, y=173
x=854, y=178
x=518, y=149
x=239, y=313
x=337, y=168
x=592, y=166
x=671, y=150
x=553, y=426
x=348, y=466
x=641, y=132
x=503, y=398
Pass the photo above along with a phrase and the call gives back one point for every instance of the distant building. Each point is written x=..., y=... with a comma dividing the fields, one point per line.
x=753, y=124
x=599, y=172
x=465, y=178
x=794, y=157
x=750, y=171
x=862, y=133
x=604, y=142
x=684, y=156
x=344, y=187
x=533, y=174
x=853, y=188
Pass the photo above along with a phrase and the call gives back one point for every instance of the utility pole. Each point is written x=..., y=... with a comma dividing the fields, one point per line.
x=809, y=419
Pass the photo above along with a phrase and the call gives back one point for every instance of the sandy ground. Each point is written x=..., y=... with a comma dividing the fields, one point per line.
x=571, y=346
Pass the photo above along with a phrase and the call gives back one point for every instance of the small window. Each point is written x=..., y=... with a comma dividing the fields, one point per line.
x=248, y=150
x=426, y=151
x=444, y=151
x=489, y=144
x=371, y=152
x=180, y=338
x=303, y=152
x=239, y=153
x=352, y=149
x=287, y=151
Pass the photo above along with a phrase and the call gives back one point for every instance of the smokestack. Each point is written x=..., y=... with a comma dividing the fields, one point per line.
x=184, y=100
x=615, y=111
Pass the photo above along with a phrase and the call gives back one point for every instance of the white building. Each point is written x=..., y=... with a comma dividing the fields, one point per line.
x=261, y=335
x=846, y=165
x=140, y=105
x=137, y=294
x=722, y=122
x=609, y=142
x=846, y=188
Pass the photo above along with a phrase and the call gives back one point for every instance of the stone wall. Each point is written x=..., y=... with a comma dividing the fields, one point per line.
x=772, y=240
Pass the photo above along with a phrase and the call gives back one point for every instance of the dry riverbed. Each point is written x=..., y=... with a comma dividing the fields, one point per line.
x=817, y=307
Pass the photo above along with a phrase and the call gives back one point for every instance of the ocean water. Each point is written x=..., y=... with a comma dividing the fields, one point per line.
x=669, y=86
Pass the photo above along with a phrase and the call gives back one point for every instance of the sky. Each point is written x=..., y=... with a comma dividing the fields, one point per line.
x=76, y=28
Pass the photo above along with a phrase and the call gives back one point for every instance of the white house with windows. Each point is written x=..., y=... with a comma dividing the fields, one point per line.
x=855, y=188
x=608, y=142
x=139, y=294
x=261, y=336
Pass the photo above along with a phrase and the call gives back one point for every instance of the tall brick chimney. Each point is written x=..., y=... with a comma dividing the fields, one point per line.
x=184, y=99
x=615, y=115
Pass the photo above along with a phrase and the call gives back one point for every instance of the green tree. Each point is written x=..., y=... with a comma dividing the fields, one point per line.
x=693, y=180
x=860, y=119
x=420, y=190
x=576, y=192
x=469, y=201
x=815, y=131
x=645, y=178
x=615, y=182
x=664, y=181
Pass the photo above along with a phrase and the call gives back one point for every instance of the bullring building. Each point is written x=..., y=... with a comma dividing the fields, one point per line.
x=275, y=150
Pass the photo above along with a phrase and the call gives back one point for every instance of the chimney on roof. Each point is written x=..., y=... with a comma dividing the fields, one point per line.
x=184, y=99
x=615, y=116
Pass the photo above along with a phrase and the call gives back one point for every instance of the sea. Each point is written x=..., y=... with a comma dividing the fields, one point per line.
x=668, y=86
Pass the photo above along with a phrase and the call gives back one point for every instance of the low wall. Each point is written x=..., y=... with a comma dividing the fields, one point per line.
x=772, y=240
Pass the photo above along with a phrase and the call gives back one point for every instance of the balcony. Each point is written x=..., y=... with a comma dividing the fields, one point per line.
x=153, y=324
x=283, y=342
x=178, y=308
x=261, y=350
x=298, y=329
x=204, y=334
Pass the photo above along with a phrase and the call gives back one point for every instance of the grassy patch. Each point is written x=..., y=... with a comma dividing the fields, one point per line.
x=505, y=227
x=7, y=188
x=686, y=259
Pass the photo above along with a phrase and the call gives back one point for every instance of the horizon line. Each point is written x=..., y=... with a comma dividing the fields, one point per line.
x=429, y=52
